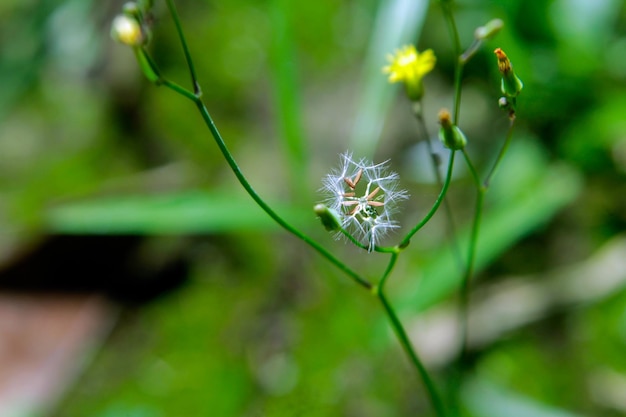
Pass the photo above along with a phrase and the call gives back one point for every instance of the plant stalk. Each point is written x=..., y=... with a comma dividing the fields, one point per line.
x=403, y=338
x=404, y=243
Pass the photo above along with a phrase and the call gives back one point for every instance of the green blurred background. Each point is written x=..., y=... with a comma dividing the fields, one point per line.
x=222, y=313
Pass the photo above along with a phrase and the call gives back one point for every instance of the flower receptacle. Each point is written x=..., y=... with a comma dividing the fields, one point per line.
x=330, y=218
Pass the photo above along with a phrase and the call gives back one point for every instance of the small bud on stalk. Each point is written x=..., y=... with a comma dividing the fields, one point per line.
x=127, y=30
x=329, y=217
x=450, y=135
x=488, y=31
x=511, y=85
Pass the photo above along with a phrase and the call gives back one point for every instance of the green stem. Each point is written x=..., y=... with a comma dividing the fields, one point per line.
x=503, y=149
x=458, y=67
x=469, y=52
x=458, y=73
x=403, y=338
x=179, y=29
x=404, y=243
x=246, y=185
x=390, y=266
x=471, y=255
x=469, y=272
x=480, y=197
x=423, y=132
x=195, y=97
x=177, y=88
x=472, y=169
x=434, y=159
x=378, y=290
x=357, y=243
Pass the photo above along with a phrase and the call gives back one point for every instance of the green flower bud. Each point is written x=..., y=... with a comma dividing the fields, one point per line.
x=329, y=217
x=449, y=134
x=511, y=85
x=488, y=31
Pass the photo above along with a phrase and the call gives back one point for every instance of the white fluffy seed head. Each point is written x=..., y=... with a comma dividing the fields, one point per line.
x=366, y=196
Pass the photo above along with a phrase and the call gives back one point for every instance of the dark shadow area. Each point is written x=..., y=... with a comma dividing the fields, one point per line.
x=106, y=264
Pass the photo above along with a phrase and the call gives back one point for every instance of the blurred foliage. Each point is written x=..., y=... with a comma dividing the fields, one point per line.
x=262, y=327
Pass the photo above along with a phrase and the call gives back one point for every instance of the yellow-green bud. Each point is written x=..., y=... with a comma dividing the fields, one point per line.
x=488, y=31
x=127, y=30
x=511, y=85
x=449, y=134
x=329, y=217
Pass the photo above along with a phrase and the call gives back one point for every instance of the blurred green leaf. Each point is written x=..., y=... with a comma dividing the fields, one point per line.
x=485, y=399
x=184, y=212
x=541, y=191
x=286, y=88
x=589, y=141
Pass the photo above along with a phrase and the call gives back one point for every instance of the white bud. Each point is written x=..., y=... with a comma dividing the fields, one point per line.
x=127, y=30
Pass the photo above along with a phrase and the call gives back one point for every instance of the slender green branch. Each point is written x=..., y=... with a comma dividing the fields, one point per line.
x=246, y=185
x=423, y=132
x=472, y=169
x=435, y=206
x=471, y=255
x=195, y=98
x=179, y=29
x=446, y=6
x=403, y=338
x=352, y=239
x=378, y=290
x=387, y=249
x=480, y=196
x=434, y=159
x=458, y=67
x=177, y=88
x=503, y=149
x=357, y=243
x=458, y=74
x=469, y=272
x=390, y=266
x=469, y=52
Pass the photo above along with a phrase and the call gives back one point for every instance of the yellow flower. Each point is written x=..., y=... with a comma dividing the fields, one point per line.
x=408, y=66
